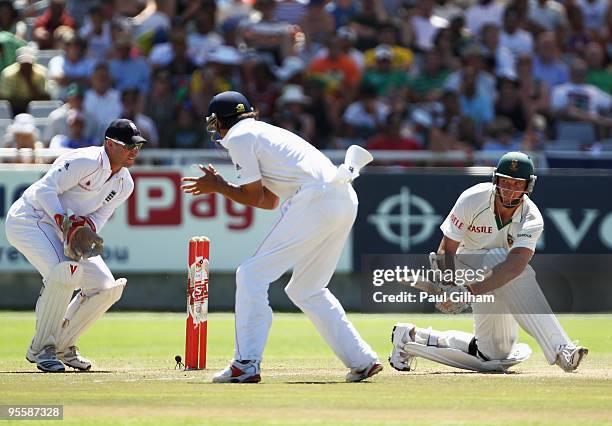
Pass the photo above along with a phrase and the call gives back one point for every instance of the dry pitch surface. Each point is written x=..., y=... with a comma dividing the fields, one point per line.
x=135, y=382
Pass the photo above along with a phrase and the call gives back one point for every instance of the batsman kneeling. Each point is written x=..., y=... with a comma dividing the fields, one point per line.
x=55, y=225
x=491, y=231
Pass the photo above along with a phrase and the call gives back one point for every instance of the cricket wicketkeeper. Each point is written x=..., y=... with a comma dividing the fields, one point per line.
x=55, y=225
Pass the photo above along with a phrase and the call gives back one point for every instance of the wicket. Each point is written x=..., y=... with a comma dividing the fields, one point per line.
x=197, y=303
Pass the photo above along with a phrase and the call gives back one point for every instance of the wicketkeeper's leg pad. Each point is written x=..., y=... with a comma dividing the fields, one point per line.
x=84, y=310
x=52, y=303
x=459, y=359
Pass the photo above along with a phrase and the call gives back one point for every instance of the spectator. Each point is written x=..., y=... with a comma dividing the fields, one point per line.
x=448, y=47
x=204, y=40
x=337, y=68
x=387, y=80
x=320, y=110
x=23, y=135
x=101, y=100
x=9, y=44
x=161, y=102
x=9, y=20
x=502, y=136
x=346, y=39
x=580, y=101
x=425, y=25
x=594, y=13
x=268, y=35
x=290, y=11
x=58, y=119
x=455, y=128
x=342, y=11
x=24, y=81
x=546, y=65
x=260, y=86
x=54, y=17
x=187, y=132
x=131, y=102
x=76, y=136
x=598, y=75
x=500, y=60
x=575, y=37
x=546, y=15
x=71, y=66
x=318, y=24
x=150, y=20
x=97, y=32
x=484, y=12
x=510, y=104
x=364, y=117
x=534, y=92
x=291, y=112
x=390, y=137
x=472, y=57
x=78, y=10
x=428, y=83
x=515, y=39
x=182, y=66
x=475, y=104
x=236, y=10
x=402, y=56
x=129, y=70
x=367, y=22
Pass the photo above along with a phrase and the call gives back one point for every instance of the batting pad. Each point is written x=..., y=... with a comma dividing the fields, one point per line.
x=459, y=359
x=52, y=303
x=85, y=310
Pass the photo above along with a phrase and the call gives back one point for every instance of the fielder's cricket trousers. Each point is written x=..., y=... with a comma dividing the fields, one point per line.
x=309, y=238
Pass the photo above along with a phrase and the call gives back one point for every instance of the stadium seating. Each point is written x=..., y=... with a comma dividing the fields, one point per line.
x=5, y=110
x=42, y=109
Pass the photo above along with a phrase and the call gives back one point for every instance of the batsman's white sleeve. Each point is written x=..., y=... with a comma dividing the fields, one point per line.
x=242, y=151
x=59, y=179
x=530, y=232
x=456, y=223
x=101, y=216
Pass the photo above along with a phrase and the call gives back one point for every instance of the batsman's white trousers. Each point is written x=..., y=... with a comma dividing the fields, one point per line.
x=519, y=302
x=309, y=238
x=38, y=241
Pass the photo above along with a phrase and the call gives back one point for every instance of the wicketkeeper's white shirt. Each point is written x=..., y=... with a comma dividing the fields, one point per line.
x=81, y=181
x=472, y=222
x=281, y=159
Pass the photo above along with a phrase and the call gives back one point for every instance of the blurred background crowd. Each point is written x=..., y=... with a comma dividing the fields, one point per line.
x=432, y=75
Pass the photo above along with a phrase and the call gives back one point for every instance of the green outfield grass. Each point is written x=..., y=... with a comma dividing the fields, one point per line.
x=135, y=382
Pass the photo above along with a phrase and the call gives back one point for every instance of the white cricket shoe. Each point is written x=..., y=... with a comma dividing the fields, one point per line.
x=358, y=375
x=239, y=372
x=45, y=360
x=400, y=335
x=570, y=356
x=72, y=358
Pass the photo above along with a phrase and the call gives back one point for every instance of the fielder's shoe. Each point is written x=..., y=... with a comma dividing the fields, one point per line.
x=239, y=372
x=72, y=358
x=570, y=356
x=400, y=335
x=45, y=360
x=358, y=375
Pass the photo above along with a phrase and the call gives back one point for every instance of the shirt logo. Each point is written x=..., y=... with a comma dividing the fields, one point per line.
x=455, y=221
x=523, y=235
x=480, y=229
x=238, y=167
x=66, y=165
x=110, y=196
x=510, y=240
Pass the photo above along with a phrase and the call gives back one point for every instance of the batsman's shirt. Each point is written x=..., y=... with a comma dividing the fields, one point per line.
x=473, y=222
x=81, y=181
x=282, y=160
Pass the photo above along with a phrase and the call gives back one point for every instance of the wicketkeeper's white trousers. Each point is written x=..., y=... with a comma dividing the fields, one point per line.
x=519, y=302
x=38, y=241
x=309, y=238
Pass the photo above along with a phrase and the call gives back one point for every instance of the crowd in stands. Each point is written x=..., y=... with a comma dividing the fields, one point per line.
x=385, y=74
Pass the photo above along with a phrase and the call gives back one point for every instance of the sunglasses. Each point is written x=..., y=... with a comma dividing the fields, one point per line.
x=130, y=146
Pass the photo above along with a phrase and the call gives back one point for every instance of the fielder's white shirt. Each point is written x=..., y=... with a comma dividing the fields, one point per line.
x=81, y=181
x=472, y=222
x=282, y=160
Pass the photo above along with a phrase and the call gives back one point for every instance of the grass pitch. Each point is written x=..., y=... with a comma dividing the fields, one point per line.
x=135, y=382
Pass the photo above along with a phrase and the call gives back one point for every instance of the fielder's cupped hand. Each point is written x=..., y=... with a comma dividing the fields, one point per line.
x=208, y=183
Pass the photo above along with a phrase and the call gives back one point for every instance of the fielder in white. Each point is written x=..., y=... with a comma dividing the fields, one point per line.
x=55, y=224
x=317, y=215
x=495, y=227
